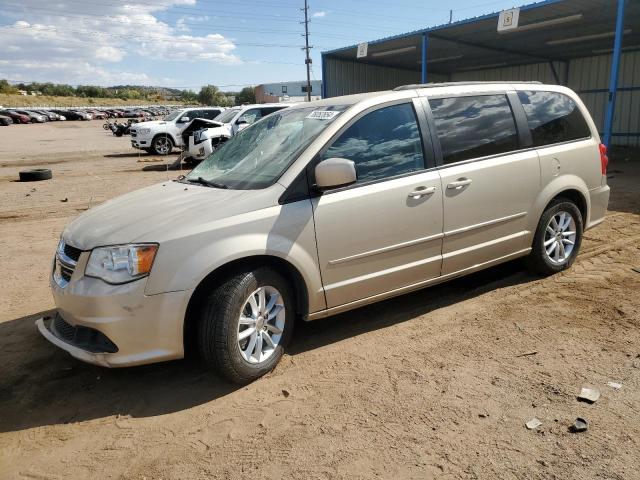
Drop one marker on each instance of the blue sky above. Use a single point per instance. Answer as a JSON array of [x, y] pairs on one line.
[[190, 43]]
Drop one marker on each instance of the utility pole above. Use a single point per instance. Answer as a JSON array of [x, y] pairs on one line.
[[306, 48]]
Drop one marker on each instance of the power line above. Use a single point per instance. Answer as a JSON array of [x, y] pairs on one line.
[[156, 38], [192, 26], [234, 15]]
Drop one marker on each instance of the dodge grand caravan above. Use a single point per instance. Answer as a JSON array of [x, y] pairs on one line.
[[324, 207]]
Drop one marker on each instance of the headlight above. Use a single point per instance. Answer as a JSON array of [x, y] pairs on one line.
[[121, 263], [144, 131]]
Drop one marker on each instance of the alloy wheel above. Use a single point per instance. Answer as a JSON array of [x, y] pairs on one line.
[[261, 324], [163, 145], [560, 237]]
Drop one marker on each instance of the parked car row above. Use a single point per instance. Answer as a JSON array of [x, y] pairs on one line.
[[10, 116]]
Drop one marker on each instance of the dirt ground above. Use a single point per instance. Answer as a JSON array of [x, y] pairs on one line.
[[438, 383]]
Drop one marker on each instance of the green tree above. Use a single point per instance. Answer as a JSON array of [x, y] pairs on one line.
[[246, 95], [211, 95], [188, 96], [5, 87]]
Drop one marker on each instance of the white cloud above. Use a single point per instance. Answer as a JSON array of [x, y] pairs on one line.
[[319, 14], [182, 26], [73, 73], [83, 43]]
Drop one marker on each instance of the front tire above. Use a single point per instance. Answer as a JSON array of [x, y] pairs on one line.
[[245, 324], [557, 239], [162, 145]]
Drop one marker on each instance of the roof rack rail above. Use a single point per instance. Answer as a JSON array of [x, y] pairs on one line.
[[453, 84]]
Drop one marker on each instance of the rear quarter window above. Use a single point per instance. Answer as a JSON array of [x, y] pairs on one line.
[[553, 117]]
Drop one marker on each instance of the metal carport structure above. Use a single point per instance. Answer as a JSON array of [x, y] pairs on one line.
[[592, 46]]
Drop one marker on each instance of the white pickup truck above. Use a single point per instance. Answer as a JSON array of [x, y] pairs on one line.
[[203, 137], [160, 136]]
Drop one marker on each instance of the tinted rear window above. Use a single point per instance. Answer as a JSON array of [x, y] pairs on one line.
[[474, 126], [553, 117]]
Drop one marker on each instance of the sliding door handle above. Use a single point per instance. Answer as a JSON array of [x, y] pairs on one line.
[[458, 184]]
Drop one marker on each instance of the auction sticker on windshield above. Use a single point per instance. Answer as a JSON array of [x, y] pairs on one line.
[[323, 114]]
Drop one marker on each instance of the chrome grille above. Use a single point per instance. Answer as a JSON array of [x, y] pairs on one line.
[[72, 252], [65, 263], [66, 272]]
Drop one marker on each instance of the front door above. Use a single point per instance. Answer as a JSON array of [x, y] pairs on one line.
[[489, 181], [384, 232]]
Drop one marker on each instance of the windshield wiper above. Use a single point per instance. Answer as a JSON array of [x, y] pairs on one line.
[[207, 183]]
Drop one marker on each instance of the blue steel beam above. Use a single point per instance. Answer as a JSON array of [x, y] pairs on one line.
[[425, 45], [554, 72], [323, 90], [613, 81]]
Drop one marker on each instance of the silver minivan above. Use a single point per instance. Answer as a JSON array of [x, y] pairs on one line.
[[324, 207]]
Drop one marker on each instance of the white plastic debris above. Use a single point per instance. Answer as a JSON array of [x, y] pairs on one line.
[[590, 395], [533, 424], [615, 385]]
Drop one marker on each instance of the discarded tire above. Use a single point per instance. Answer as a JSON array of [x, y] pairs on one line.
[[35, 175]]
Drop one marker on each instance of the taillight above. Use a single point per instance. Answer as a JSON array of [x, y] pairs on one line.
[[604, 158]]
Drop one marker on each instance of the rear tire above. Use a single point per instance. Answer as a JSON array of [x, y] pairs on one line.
[[230, 321], [557, 239]]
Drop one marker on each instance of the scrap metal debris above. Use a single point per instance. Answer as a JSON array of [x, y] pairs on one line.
[[527, 354], [589, 395], [533, 424], [580, 425]]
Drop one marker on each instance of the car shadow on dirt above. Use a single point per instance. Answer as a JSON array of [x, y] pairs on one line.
[[42, 385], [311, 335]]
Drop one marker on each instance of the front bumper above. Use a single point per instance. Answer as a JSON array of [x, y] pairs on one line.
[[140, 142], [142, 328], [599, 199], [200, 150]]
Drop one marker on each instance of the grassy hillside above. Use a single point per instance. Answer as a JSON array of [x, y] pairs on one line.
[[48, 101]]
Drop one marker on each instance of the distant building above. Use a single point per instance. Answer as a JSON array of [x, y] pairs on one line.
[[287, 91]]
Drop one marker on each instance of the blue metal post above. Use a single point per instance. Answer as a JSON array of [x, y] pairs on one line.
[[324, 78], [425, 44], [613, 80]]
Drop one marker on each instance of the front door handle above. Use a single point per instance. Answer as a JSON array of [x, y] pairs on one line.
[[422, 192], [458, 184]]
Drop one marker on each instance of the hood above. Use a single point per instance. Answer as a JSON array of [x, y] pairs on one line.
[[151, 123], [224, 129], [159, 212]]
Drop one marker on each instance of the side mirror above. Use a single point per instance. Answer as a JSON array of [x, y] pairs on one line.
[[334, 173], [184, 119], [242, 121]]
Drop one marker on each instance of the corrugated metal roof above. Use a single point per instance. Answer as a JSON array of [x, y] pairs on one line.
[[584, 28]]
